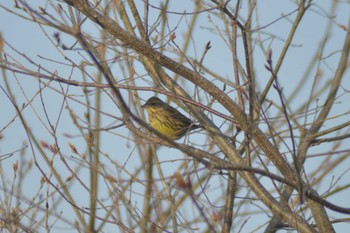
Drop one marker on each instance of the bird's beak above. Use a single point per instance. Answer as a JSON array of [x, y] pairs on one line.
[[143, 106]]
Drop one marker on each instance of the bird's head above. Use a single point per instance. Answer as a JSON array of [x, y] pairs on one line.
[[153, 103]]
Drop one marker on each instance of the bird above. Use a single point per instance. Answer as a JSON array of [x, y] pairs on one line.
[[167, 120]]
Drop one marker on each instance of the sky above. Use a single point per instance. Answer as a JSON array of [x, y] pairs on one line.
[[49, 108]]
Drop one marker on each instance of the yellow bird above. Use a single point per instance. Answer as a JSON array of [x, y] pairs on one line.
[[167, 120]]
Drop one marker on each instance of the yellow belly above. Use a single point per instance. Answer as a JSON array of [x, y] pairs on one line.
[[167, 131]]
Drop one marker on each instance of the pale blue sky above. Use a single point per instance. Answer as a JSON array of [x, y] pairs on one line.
[[29, 39]]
